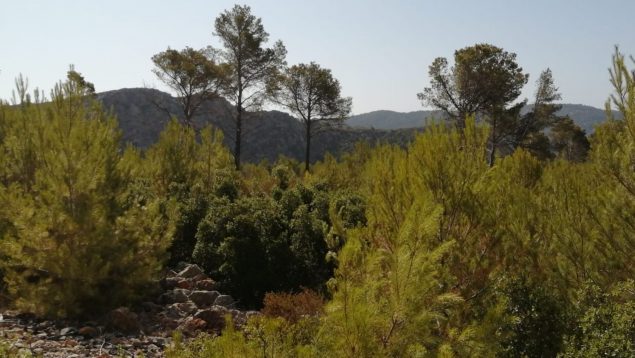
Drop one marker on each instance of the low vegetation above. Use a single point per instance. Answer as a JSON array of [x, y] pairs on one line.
[[473, 240]]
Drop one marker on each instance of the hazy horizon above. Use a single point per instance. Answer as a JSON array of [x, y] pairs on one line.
[[379, 51]]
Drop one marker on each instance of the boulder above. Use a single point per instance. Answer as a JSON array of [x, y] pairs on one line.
[[177, 295], [174, 312], [206, 285], [192, 326], [204, 299], [200, 277], [224, 301], [124, 321], [172, 282], [186, 307], [185, 284], [213, 317], [190, 271]]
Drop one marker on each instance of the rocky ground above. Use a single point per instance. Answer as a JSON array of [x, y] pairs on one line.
[[189, 304]]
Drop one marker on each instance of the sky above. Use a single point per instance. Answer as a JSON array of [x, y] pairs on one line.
[[378, 50]]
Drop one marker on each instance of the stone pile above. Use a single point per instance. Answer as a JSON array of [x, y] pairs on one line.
[[189, 303]]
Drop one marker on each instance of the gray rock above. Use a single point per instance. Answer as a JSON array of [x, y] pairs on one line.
[[68, 331], [214, 317], [172, 282], [190, 271], [204, 299], [206, 285], [186, 307], [224, 301], [174, 312], [178, 295]]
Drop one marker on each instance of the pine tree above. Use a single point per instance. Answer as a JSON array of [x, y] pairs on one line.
[[77, 245]]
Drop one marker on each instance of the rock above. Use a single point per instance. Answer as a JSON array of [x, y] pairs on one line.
[[206, 285], [172, 282], [239, 318], [153, 348], [174, 312], [38, 344], [192, 326], [200, 277], [177, 295], [88, 332], [68, 331], [204, 299], [224, 301], [124, 321], [215, 318], [190, 271], [186, 307], [186, 284]]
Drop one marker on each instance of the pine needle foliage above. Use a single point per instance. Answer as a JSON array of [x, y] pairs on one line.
[[76, 244]]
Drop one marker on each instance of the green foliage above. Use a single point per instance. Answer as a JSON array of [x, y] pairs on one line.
[[539, 320], [569, 141], [439, 253], [76, 242], [484, 79], [185, 169], [606, 323], [249, 65], [253, 245], [193, 75], [312, 94], [262, 337]]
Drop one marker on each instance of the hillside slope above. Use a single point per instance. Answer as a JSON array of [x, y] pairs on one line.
[[585, 116], [143, 113]]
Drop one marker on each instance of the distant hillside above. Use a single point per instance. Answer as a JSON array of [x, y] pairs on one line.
[[143, 113], [585, 116], [392, 119]]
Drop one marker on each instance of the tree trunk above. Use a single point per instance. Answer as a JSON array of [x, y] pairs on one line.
[[239, 130], [492, 154], [308, 145]]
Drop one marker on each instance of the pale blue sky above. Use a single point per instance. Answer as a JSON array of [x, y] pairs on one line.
[[379, 50]]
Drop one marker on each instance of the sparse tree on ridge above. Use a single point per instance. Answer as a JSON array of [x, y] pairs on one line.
[[250, 64], [193, 75], [312, 94], [484, 81]]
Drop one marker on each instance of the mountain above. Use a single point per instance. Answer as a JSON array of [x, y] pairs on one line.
[[142, 114], [585, 116], [392, 119]]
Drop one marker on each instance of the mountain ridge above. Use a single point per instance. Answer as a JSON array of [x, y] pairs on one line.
[[584, 115], [143, 113]]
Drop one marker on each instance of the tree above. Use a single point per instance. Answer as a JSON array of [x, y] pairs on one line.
[[250, 65], [529, 130], [313, 95], [78, 241], [192, 74], [484, 80], [569, 141]]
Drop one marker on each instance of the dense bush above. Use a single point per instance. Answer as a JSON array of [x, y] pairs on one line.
[[253, 245]]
